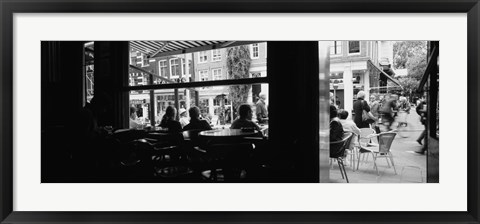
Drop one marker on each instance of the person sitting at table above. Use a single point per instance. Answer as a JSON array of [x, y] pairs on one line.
[[134, 124], [195, 122], [169, 122], [245, 119], [336, 128], [349, 125]]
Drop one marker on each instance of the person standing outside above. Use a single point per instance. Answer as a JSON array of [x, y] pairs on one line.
[[422, 111], [261, 109], [375, 110], [358, 107], [388, 110], [134, 124]]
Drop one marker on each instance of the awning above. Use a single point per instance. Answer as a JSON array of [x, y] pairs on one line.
[[385, 74], [164, 48]]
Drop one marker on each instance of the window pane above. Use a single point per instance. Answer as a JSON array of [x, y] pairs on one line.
[[196, 66], [353, 47], [140, 104], [218, 104]]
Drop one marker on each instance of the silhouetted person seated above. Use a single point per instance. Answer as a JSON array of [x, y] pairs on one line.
[[336, 128], [195, 122], [89, 116], [169, 122], [92, 143], [245, 119]]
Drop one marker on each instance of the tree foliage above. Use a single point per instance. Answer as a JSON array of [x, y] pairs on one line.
[[238, 66], [410, 55]]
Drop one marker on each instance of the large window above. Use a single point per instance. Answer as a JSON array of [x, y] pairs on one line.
[[217, 86], [353, 47]]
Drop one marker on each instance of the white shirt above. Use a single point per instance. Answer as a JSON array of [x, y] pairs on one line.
[[349, 125]]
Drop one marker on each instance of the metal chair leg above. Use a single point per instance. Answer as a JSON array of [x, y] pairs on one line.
[[358, 162], [375, 164], [393, 164], [340, 168]]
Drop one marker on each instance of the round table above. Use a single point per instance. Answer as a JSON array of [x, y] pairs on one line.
[[228, 133]]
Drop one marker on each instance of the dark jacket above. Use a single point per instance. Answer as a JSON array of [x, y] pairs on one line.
[[336, 130], [172, 125], [421, 112], [196, 124], [358, 108]]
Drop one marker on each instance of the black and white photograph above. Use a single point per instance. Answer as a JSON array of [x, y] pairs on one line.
[[197, 111], [239, 112]]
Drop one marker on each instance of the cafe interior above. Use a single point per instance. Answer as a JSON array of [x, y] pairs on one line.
[[292, 146], [287, 154]]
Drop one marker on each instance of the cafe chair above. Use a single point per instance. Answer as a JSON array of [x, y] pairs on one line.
[[231, 160], [366, 136], [385, 140], [337, 151], [135, 159], [128, 135]]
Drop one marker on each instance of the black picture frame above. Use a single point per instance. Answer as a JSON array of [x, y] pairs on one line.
[[9, 7]]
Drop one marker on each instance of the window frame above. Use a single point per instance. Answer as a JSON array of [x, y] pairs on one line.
[[170, 67], [200, 75], [335, 47], [257, 46], [219, 73], [359, 48], [216, 59], [200, 55], [160, 68]]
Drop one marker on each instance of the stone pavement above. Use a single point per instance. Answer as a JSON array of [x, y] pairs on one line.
[[410, 166]]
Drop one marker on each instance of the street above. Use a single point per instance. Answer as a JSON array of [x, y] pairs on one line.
[[410, 166]]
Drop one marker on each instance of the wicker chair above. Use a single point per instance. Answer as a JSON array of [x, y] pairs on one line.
[[337, 151]]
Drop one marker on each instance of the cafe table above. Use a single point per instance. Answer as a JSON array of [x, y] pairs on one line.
[[228, 133]]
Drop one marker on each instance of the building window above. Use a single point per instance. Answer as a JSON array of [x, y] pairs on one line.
[[145, 62], [184, 67], [217, 74], [163, 68], [202, 57], [174, 67], [203, 75], [353, 47], [216, 55], [254, 51], [336, 48]]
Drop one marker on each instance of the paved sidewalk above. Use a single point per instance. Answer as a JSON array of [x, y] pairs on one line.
[[410, 166]]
